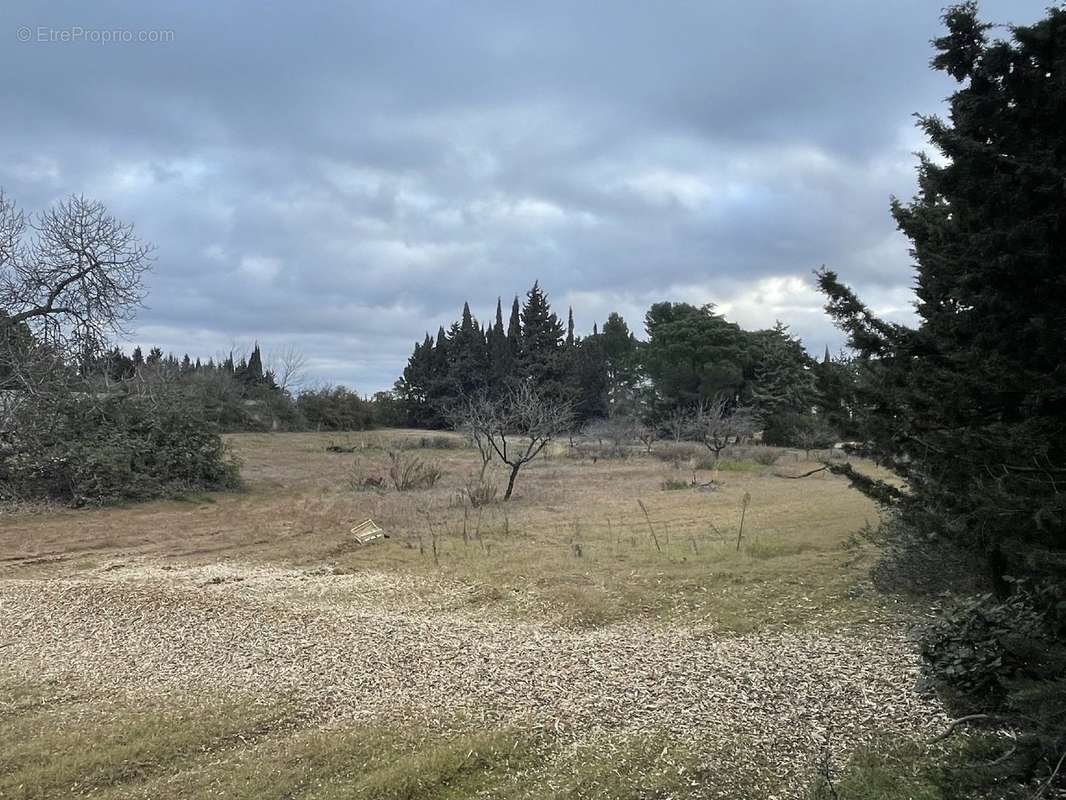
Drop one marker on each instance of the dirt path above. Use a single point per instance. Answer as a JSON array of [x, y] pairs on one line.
[[352, 647]]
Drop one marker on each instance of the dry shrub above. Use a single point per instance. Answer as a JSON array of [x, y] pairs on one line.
[[360, 480], [479, 494], [760, 454], [672, 452], [427, 443], [409, 472], [404, 473], [673, 484]]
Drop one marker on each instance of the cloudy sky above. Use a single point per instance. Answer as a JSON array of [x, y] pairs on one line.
[[342, 176]]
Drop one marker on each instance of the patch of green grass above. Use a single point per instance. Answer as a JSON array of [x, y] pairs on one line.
[[894, 769], [51, 748], [734, 465]]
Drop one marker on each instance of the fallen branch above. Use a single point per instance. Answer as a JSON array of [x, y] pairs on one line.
[[822, 468], [961, 721]]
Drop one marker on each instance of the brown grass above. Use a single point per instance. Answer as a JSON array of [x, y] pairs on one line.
[[573, 548], [573, 544]]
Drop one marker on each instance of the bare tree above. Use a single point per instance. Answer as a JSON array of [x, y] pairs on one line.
[[619, 430], [678, 422], [718, 425], [519, 426], [290, 368], [76, 279], [69, 277], [473, 418], [648, 436]]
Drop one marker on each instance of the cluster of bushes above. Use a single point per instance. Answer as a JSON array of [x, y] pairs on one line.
[[87, 450]]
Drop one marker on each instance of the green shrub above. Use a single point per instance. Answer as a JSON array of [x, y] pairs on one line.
[[96, 451]]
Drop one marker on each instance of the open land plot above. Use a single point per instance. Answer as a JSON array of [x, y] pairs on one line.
[[564, 644]]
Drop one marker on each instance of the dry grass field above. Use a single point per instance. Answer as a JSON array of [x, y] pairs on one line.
[[565, 644]]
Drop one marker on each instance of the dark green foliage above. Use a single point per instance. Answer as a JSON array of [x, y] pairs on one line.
[[782, 379], [795, 429], [970, 407], [542, 339], [835, 381], [692, 355], [122, 447], [591, 379], [980, 645], [335, 409], [621, 364]]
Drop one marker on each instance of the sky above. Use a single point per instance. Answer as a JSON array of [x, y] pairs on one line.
[[339, 178]]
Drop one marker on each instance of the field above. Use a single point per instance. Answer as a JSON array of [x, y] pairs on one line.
[[608, 633]]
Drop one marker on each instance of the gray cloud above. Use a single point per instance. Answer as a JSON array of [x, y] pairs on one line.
[[343, 176]]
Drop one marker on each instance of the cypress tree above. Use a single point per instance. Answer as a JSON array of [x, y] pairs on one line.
[[514, 332], [969, 408], [501, 363]]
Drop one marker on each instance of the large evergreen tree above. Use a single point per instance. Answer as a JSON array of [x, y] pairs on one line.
[[468, 359], [970, 406], [542, 338], [619, 348], [692, 355]]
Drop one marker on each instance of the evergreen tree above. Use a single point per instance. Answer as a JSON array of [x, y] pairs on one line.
[[542, 337], [514, 333], [468, 359], [620, 362], [783, 380], [253, 373], [501, 363], [969, 408], [412, 388], [692, 356], [590, 392]]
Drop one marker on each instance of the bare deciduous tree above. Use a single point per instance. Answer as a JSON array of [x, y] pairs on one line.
[[619, 430], [76, 279], [473, 418], [678, 423], [290, 368], [518, 426], [718, 425]]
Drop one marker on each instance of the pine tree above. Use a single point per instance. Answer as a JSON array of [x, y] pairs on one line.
[[620, 362], [468, 359], [783, 380], [542, 337], [969, 408]]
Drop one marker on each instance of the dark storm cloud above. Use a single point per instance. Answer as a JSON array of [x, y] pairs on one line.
[[341, 177]]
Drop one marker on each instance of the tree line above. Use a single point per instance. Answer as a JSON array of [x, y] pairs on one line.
[[243, 393], [692, 357]]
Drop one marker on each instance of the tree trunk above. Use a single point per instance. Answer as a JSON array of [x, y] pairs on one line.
[[511, 480]]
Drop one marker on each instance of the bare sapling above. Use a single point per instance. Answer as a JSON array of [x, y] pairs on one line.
[[517, 426], [718, 425]]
